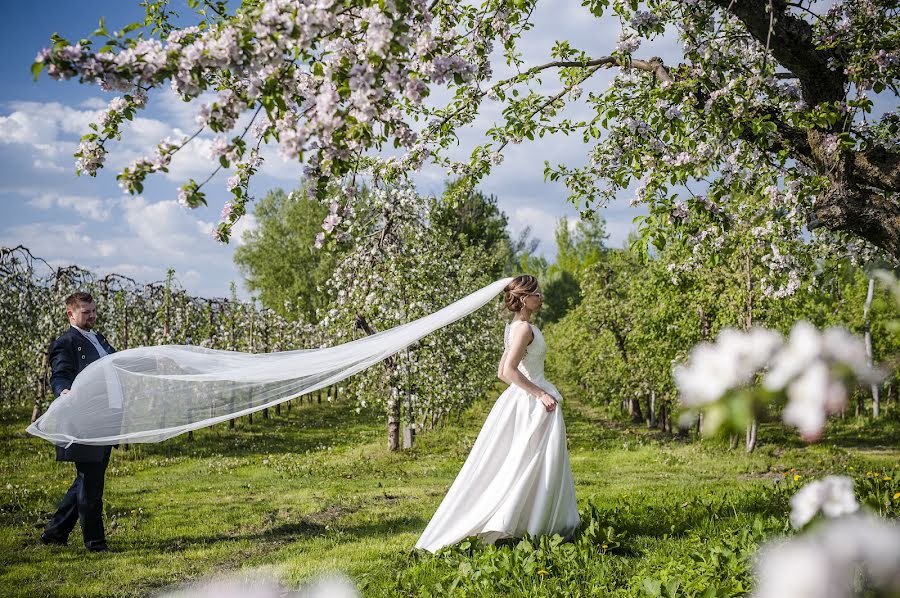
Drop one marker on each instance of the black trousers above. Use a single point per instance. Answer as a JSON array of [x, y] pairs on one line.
[[84, 502]]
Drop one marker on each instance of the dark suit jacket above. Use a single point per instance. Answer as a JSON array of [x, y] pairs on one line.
[[69, 354]]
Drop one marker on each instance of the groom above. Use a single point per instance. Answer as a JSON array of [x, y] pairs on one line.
[[78, 347]]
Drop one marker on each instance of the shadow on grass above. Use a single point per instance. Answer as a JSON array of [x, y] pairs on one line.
[[306, 427], [674, 520], [305, 528]]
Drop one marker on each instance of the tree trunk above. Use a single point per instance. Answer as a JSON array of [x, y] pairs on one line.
[[409, 429], [876, 399], [125, 317], [733, 442], [393, 405], [42, 386], [393, 423], [651, 422], [634, 409], [749, 321], [751, 436]]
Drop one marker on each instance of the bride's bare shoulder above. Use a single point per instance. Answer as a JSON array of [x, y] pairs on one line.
[[515, 330]]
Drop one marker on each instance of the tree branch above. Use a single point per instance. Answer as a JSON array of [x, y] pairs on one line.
[[654, 65], [878, 167], [793, 47], [871, 216]]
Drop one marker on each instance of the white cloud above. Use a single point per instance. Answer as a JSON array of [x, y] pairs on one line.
[[165, 227], [49, 130], [38, 115], [178, 112], [542, 223], [22, 127], [52, 241], [93, 208], [144, 133], [94, 104], [139, 272], [243, 226], [47, 165]]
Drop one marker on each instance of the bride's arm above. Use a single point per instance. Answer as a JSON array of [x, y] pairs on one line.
[[519, 338], [500, 368]]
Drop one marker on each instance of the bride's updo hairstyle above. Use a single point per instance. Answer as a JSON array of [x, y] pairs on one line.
[[515, 292]]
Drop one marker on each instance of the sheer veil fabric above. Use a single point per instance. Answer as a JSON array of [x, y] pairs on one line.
[[150, 394]]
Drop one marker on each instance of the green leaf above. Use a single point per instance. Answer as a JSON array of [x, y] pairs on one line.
[[130, 27], [651, 586], [36, 68]]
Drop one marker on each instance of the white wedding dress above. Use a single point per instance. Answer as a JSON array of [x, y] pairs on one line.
[[517, 478]]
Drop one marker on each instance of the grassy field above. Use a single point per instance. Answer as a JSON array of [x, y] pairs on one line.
[[315, 490]]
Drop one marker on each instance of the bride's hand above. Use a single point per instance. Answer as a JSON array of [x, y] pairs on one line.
[[548, 401]]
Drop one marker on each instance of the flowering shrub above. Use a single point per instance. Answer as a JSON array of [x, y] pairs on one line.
[[129, 314]]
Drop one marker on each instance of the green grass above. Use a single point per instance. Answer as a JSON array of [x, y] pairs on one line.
[[315, 490]]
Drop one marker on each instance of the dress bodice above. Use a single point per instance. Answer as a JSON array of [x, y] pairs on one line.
[[532, 364]]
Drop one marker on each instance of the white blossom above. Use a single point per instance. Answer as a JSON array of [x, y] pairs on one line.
[[833, 496], [832, 560]]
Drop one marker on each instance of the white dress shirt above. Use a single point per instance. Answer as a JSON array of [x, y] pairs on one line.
[[92, 336]]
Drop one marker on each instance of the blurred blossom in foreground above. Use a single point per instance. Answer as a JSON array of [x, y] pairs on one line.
[[335, 586], [845, 557], [813, 369], [732, 361], [833, 496]]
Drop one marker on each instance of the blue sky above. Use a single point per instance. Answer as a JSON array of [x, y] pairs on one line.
[[67, 219]]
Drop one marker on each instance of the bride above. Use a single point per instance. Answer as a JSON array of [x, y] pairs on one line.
[[517, 479]]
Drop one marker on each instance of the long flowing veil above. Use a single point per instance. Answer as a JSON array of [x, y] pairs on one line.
[[149, 394]]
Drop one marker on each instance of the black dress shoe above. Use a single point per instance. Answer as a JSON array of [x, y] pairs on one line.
[[101, 548], [48, 540]]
